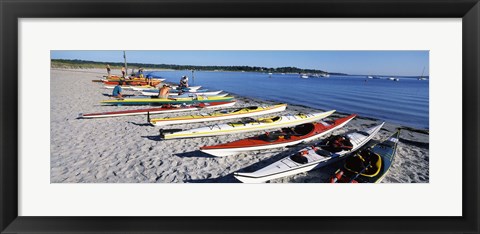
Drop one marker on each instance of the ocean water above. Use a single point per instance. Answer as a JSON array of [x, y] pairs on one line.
[[404, 102]]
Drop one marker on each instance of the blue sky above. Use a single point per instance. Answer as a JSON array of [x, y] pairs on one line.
[[401, 63]]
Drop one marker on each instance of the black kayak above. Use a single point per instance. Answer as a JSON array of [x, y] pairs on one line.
[[369, 165]]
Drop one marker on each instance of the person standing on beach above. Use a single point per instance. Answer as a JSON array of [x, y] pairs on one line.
[[124, 71], [108, 71], [164, 91], [117, 91]]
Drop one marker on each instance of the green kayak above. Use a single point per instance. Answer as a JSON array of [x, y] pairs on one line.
[[369, 165]]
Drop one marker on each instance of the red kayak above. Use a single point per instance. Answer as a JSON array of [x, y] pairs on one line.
[[132, 83], [159, 110], [285, 137]]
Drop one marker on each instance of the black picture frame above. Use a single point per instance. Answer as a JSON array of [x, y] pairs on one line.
[[11, 11]]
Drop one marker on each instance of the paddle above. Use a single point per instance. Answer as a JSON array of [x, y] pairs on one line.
[[362, 171]]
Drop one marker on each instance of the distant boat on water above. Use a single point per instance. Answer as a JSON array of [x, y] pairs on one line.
[[320, 75], [370, 77], [325, 75], [304, 76], [421, 77], [394, 79]]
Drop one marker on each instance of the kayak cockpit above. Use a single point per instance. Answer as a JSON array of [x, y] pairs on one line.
[[243, 122], [271, 120], [303, 129], [287, 133], [299, 158], [239, 110], [337, 143], [365, 163]]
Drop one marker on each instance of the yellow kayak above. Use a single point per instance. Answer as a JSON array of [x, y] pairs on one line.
[[220, 115]]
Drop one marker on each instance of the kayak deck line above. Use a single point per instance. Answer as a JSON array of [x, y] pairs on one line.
[[231, 130]]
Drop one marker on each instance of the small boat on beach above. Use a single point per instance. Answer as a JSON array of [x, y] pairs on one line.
[[211, 93], [190, 88], [132, 83], [148, 88], [162, 101], [321, 154], [285, 137], [370, 165], [132, 87], [159, 110], [219, 115], [156, 90], [245, 125], [140, 79]]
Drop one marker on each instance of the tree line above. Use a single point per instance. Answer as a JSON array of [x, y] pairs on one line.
[[94, 64]]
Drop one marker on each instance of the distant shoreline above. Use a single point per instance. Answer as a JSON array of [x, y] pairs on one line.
[[84, 64]]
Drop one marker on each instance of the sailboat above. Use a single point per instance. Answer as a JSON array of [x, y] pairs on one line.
[[421, 77]]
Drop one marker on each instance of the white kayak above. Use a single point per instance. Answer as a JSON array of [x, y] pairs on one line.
[[125, 87], [213, 93], [235, 113], [246, 125], [312, 157], [142, 88], [158, 110], [190, 88], [155, 90]]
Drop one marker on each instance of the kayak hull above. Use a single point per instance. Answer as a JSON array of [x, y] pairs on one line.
[[213, 93], [208, 117], [132, 83], [151, 111], [155, 90], [162, 101], [256, 125], [255, 143]]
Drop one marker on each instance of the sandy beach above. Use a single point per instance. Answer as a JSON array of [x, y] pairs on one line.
[[129, 150]]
